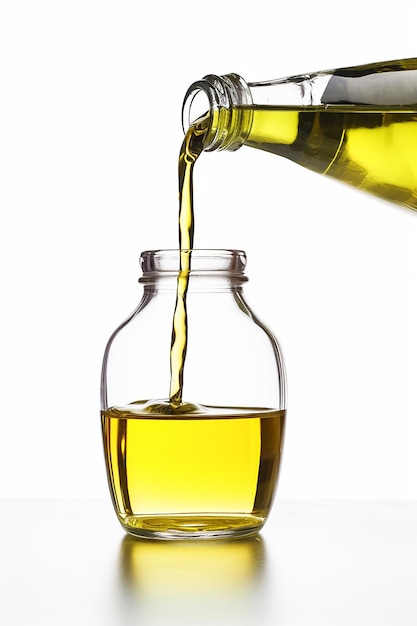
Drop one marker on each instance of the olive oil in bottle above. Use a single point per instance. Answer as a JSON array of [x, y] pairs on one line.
[[374, 150]]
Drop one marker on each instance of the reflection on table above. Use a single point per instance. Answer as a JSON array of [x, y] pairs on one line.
[[210, 582]]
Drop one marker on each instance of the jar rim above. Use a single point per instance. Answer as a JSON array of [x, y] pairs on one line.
[[165, 262]]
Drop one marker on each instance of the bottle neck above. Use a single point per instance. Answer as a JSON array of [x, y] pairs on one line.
[[228, 114], [229, 103]]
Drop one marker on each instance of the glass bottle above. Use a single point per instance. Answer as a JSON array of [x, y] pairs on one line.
[[204, 465], [356, 124]]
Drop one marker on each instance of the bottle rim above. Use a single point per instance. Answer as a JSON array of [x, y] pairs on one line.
[[202, 261], [225, 97]]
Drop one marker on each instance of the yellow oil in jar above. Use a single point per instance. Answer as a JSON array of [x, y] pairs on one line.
[[206, 471]]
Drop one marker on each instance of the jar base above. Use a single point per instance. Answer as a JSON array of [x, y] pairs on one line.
[[188, 526]]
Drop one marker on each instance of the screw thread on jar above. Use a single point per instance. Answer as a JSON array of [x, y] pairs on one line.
[[230, 116], [224, 265]]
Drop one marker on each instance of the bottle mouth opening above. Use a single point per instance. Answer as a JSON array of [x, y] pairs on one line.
[[159, 263], [197, 103], [224, 101]]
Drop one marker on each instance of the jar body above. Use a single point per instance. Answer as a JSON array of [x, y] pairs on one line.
[[208, 465]]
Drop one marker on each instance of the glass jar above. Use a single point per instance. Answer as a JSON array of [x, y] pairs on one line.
[[204, 465]]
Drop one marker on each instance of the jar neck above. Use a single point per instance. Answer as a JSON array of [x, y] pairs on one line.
[[220, 267], [229, 114]]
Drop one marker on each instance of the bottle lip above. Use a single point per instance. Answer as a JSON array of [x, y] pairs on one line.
[[225, 96], [219, 262]]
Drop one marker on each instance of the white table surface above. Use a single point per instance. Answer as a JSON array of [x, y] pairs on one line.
[[334, 563]]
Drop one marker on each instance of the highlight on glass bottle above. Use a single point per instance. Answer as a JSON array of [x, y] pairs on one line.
[[193, 435], [356, 124]]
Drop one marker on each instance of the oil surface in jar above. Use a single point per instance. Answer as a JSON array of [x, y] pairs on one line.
[[208, 469]]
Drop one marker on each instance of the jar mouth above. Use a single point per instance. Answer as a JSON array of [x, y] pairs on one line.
[[161, 263]]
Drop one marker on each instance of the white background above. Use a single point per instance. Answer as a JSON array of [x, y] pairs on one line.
[[90, 100]]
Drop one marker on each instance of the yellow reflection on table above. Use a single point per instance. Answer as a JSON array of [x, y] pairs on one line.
[[184, 581]]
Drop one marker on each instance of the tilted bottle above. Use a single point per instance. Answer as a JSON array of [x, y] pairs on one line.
[[356, 124]]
